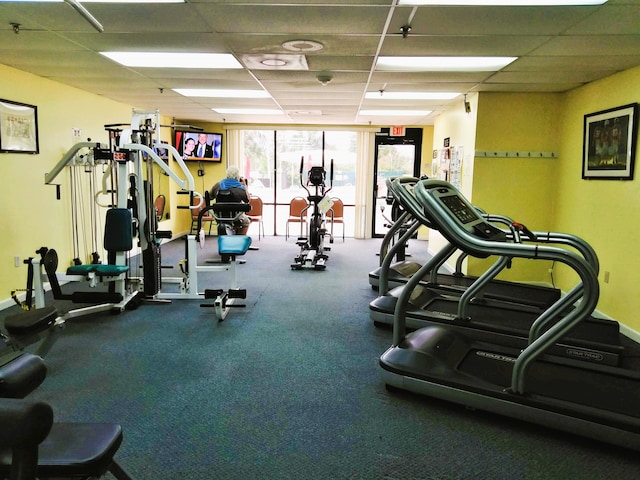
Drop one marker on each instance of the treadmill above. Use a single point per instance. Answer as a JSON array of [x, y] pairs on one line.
[[395, 241], [395, 274], [595, 340], [484, 370]]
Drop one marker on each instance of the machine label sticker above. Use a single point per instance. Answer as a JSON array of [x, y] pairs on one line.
[[585, 354], [496, 356]]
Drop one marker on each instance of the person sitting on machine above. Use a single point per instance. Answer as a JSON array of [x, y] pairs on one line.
[[233, 189]]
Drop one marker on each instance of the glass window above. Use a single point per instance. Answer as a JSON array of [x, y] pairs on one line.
[[272, 161]]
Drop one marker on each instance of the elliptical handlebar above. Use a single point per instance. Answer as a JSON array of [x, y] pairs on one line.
[[316, 177]]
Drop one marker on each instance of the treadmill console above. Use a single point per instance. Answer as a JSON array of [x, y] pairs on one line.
[[467, 216]]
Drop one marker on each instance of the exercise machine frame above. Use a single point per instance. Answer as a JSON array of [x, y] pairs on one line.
[[312, 248], [482, 370]]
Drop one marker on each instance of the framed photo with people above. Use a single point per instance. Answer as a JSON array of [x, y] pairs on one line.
[[199, 146], [609, 143]]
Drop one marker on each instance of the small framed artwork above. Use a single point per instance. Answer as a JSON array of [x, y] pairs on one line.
[[18, 127], [609, 143]]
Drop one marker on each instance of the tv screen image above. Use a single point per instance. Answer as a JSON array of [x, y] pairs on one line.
[[199, 146]]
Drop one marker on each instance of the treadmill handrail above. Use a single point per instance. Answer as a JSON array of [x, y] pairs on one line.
[[414, 206], [458, 236], [383, 282], [395, 225], [574, 241]]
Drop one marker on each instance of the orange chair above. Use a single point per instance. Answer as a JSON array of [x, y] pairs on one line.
[[297, 213], [255, 214], [159, 205], [336, 215], [207, 217]]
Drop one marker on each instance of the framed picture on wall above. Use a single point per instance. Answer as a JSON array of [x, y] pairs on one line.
[[609, 143], [18, 127]]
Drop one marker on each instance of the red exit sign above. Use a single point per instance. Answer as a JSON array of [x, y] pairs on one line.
[[397, 131]]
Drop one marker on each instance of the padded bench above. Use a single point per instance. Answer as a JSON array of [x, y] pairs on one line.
[[100, 269], [233, 244]]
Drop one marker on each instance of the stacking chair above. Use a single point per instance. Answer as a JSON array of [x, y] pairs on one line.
[[336, 215], [255, 214], [208, 217], [298, 208], [159, 205]]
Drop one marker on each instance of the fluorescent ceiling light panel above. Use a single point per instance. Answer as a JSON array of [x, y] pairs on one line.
[[394, 113], [442, 64], [173, 60], [411, 95], [96, 1], [221, 93], [249, 111], [503, 3], [132, 1]]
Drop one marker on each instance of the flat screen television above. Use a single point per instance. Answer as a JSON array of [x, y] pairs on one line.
[[199, 146]]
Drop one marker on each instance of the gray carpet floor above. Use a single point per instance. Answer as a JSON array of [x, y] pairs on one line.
[[288, 387]]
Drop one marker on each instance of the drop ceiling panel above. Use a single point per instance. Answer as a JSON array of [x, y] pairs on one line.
[[44, 16], [132, 17], [294, 19], [526, 87], [157, 41], [547, 77], [427, 78], [482, 45], [558, 49], [319, 96], [587, 45], [572, 63], [31, 41], [497, 21], [340, 64], [307, 78], [624, 17], [334, 45], [66, 63], [214, 75]]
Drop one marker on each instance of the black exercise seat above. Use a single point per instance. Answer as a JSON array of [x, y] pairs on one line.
[[41, 325], [69, 450], [81, 450], [23, 425], [30, 322], [21, 375]]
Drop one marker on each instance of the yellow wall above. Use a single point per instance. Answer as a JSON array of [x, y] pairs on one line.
[[603, 212], [520, 188], [427, 149], [31, 215], [460, 128]]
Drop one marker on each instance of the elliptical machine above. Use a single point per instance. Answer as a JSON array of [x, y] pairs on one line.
[[312, 249]]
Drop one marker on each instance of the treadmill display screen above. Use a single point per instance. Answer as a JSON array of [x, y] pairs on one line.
[[459, 208]]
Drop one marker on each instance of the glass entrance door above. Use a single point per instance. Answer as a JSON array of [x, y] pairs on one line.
[[394, 156]]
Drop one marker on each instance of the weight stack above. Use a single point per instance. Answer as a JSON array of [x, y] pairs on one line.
[[152, 272]]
